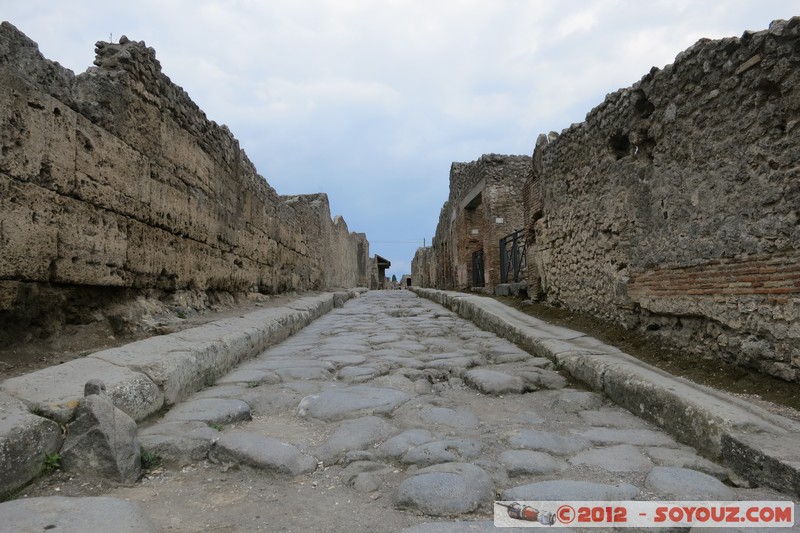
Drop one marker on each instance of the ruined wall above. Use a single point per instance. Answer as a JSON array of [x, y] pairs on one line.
[[115, 178], [484, 205], [674, 207]]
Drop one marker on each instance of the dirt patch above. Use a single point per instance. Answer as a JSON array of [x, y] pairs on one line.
[[776, 395]]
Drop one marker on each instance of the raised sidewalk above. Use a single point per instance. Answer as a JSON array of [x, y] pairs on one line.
[[142, 378], [757, 445]]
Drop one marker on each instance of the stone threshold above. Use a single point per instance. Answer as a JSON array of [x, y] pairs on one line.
[[760, 447]]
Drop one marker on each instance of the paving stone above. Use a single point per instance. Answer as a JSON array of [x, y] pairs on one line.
[[565, 489], [524, 462], [351, 402], [683, 458], [354, 434], [72, 515], [210, 411], [25, 441], [570, 400], [621, 458], [227, 391], [365, 476], [395, 381], [454, 363], [684, 484], [478, 526], [344, 360], [360, 373], [445, 490], [178, 443], [544, 379], [308, 372], [637, 437], [616, 418], [245, 375], [271, 401], [443, 451], [264, 453], [400, 444], [534, 439], [383, 338], [506, 354], [493, 382], [417, 413]]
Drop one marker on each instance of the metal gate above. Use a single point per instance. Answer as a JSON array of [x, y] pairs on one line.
[[512, 257], [477, 268]]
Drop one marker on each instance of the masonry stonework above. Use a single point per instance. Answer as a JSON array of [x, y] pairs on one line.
[[484, 205], [673, 208], [115, 179]]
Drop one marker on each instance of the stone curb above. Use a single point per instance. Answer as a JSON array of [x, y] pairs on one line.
[[755, 444], [142, 378]]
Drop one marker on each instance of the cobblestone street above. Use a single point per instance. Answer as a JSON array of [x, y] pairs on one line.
[[391, 411]]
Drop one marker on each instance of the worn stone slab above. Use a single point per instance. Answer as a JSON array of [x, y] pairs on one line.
[[612, 419], [73, 515], [249, 376], [571, 400], [364, 476], [178, 443], [685, 459], [102, 442], [621, 458], [638, 437], [445, 490], [534, 439], [443, 451], [354, 434], [494, 382], [524, 462], [211, 411], [344, 360], [166, 360], [360, 373], [684, 484], [565, 489], [56, 391], [351, 402], [544, 379], [25, 442], [398, 445], [263, 453]]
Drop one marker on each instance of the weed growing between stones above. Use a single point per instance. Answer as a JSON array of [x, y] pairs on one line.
[[52, 462], [150, 460]]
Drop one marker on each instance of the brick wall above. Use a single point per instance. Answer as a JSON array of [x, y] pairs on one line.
[[484, 205]]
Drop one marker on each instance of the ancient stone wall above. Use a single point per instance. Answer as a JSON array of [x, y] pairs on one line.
[[485, 204], [674, 207], [115, 178]]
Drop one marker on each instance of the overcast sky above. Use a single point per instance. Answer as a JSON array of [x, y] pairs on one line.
[[371, 100]]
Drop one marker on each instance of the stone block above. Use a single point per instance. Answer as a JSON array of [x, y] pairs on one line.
[[25, 442], [56, 391]]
